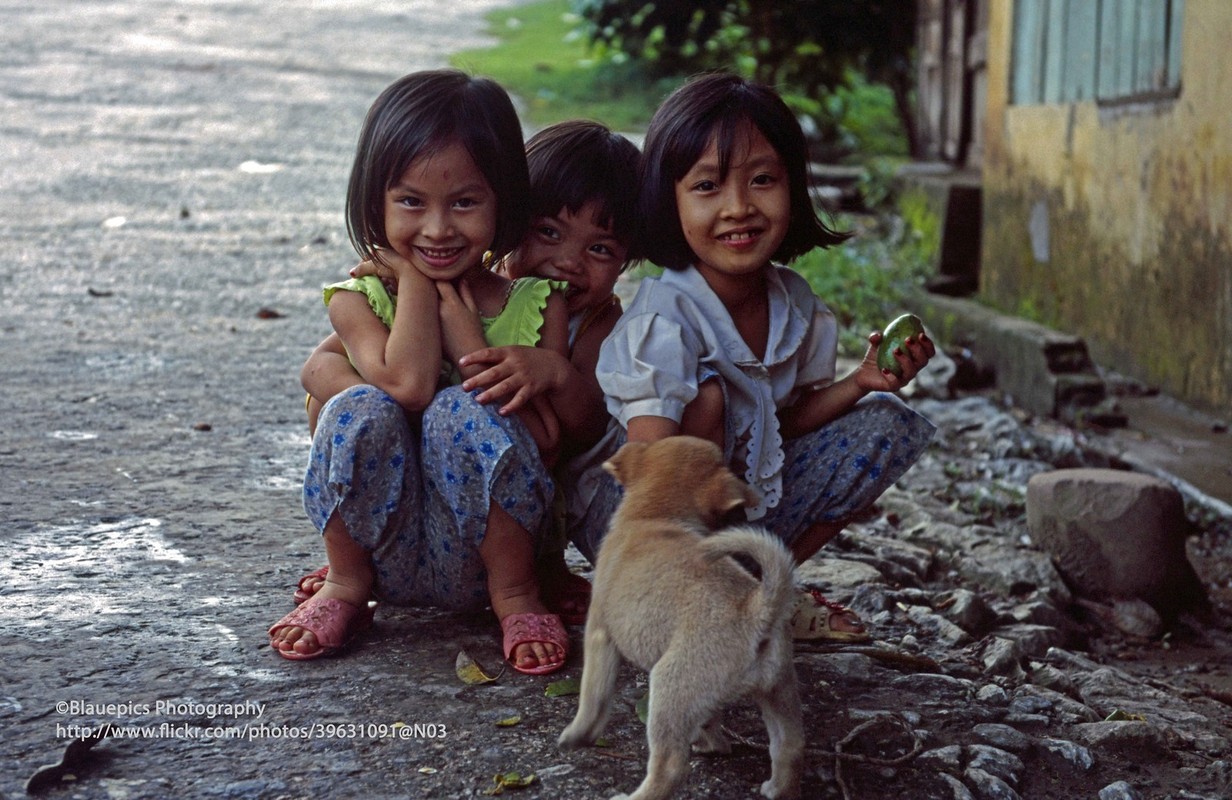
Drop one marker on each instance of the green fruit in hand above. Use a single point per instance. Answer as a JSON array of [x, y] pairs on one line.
[[895, 336]]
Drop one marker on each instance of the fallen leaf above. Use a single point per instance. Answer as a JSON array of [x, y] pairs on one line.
[[510, 780], [508, 722], [469, 671], [642, 707], [269, 313], [427, 770], [564, 688], [1124, 716]]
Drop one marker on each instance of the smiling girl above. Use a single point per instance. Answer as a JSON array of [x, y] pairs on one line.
[[734, 347], [417, 507]]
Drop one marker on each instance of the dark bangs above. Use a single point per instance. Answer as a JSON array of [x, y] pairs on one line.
[[577, 162]]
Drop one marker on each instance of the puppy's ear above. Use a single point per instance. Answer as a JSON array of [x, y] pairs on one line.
[[722, 495], [626, 464]]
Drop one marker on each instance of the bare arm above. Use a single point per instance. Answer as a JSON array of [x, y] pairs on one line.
[[651, 429], [821, 406], [405, 360], [328, 371]]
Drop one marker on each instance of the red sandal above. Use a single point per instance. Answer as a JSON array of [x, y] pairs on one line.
[[301, 593], [333, 622], [523, 628], [813, 616]]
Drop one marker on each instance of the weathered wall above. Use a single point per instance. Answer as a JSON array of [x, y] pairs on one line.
[[1116, 224]]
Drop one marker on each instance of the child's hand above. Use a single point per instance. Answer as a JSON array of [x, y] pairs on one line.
[[386, 273], [518, 370], [461, 328], [913, 357], [544, 427]]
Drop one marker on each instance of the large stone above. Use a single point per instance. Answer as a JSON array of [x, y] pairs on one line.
[[1114, 534]]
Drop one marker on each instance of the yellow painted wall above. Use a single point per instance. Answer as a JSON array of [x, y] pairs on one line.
[[1136, 203]]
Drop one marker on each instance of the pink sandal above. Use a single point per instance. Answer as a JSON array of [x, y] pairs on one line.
[[302, 594], [523, 628], [333, 622]]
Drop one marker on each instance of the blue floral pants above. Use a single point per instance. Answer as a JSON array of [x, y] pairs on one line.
[[828, 475], [416, 492]]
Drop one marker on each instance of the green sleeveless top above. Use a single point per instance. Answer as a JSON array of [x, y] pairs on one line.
[[517, 323]]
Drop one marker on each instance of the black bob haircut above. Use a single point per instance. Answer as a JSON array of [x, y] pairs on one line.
[[579, 161], [421, 114], [719, 106]]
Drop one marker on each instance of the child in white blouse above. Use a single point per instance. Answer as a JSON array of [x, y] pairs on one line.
[[730, 346]]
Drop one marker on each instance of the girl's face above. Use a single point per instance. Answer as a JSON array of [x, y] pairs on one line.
[[574, 248], [441, 214], [735, 225]]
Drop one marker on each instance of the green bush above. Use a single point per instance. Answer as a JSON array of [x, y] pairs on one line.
[[864, 280], [544, 59]]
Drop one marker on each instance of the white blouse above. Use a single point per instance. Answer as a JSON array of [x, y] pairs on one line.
[[676, 326]]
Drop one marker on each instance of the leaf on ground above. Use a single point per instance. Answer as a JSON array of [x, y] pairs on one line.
[[564, 688], [508, 722], [469, 671], [510, 780], [642, 707], [1124, 716]]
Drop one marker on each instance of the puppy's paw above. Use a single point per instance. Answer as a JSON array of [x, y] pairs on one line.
[[775, 792], [571, 739]]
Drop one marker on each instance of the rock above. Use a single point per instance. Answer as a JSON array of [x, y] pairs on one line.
[[913, 557], [988, 786], [838, 578], [995, 761], [946, 632], [958, 790], [1011, 570], [967, 610], [1140, 740], [1119, 791], [1075, 754], [850, 666], [1050, 677], [1033, 640], [1115, 534], [948, 758], [1005, 737], [1064, 708], [1041, 612], [992, 694], [1003, 657]]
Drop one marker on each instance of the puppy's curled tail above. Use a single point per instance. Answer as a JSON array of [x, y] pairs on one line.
[[778, 590]]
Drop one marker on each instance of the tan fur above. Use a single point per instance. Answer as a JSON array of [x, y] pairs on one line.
[[668, 597]]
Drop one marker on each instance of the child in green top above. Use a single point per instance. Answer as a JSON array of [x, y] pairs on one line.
[[583, 188]]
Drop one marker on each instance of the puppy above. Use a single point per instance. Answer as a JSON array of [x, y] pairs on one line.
[[674, 600]]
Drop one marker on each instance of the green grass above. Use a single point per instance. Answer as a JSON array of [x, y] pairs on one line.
[[544, 59], [865, 279]]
